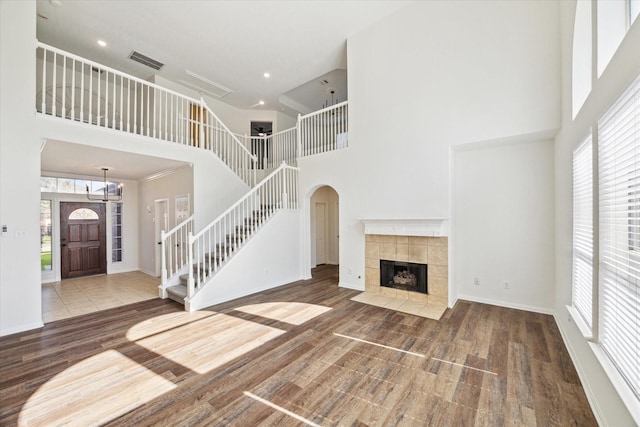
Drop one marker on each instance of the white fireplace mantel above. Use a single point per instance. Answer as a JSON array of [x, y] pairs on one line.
[[437, 227]]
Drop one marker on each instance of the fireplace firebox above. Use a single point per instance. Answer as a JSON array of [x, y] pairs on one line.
[[407, 276]]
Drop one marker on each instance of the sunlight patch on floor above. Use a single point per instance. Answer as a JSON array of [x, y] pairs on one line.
[[164, 323], [209, 342], [295, 313], [281, 409], [94, 391], [379, 345]]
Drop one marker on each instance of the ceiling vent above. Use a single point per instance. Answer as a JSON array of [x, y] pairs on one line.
[[145, 60]]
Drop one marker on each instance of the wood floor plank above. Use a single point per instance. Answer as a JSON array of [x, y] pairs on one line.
[[298, 354]]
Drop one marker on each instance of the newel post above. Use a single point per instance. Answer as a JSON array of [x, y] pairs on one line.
[[202, 123], [191, 280], [163, 257], [299, 136], [285, 196]]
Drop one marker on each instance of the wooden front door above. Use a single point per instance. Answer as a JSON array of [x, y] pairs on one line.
[[83, 249]]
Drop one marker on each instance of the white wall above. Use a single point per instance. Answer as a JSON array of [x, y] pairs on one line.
[[503, 218], [215, 188], [271, 258], [285, 122], [20, 295], [623, 67], [449, 76], [169, 186], [329, 197]]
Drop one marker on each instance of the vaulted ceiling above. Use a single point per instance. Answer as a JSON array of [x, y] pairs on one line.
[[224, 43]]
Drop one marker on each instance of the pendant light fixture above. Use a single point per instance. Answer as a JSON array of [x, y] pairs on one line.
[[106, 197]]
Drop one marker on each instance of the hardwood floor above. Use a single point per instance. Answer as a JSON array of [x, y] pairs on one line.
[[301, 354]]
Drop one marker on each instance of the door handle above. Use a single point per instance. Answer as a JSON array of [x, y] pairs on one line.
[[159, 243]]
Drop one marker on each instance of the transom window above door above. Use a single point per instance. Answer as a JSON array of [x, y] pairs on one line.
[[84, 214]]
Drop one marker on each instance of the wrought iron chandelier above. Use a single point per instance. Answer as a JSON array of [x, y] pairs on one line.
[[106, 197]]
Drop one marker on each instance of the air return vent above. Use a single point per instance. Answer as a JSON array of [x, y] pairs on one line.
[[145, 60]]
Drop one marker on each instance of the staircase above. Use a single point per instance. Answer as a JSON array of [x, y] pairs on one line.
[[215, 245], [84, 93], [213, 261]]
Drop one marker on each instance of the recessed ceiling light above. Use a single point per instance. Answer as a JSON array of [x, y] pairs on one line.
[[102, 43], [55, 3], [267, 75], [261, 102]]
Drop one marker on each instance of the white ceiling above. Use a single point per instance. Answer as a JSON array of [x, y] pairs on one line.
[[232, 43], [76, 159]]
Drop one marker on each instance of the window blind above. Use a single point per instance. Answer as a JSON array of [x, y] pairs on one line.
[[619, 186], [583, 231]]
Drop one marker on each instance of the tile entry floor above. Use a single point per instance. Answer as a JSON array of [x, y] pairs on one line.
[[417, 308], [83, 295]]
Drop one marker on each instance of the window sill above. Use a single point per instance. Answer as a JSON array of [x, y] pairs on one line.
[[627, 396], [624, 391], [585, 330]]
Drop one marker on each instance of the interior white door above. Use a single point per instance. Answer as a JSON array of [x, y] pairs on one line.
[[161, 220], [321, 233]]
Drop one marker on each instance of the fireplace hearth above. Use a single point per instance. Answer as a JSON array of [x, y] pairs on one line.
[[406, 276]]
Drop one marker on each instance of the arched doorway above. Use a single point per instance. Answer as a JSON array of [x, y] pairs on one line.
[[324, 227]]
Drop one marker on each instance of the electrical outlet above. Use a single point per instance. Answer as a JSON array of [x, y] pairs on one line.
[[476, 281], [506, 284]]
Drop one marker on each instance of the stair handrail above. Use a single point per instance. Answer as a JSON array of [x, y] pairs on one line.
[[252, 192], [237, 157], [282, 154], [216, 243], [171, 240]]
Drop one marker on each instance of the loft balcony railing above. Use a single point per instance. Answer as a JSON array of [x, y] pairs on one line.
[[76, 89], [318, 132], [80, 90], [323, 130]]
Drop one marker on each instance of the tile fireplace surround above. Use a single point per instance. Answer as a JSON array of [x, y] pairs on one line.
[[433, 251]]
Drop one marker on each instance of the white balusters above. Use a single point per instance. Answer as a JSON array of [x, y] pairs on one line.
[[323, 130], [109, 98], [221, 239], [174, 246]]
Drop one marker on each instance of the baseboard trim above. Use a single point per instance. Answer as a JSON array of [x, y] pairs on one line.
[[194, 304], [148, 273], [584, 378], [22, 328], [351, 286], [525, 307]]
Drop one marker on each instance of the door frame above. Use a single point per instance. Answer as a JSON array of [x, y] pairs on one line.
[[104, 249], [157, 228], [325, 228]]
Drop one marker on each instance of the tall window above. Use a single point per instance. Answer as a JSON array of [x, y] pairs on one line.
[[116, 232], [619, 206], [583, 231], [45, 235]]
